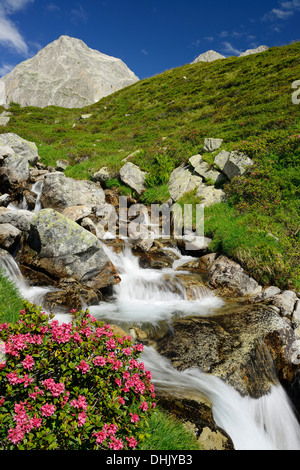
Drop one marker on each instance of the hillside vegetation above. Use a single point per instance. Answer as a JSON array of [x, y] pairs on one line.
[[245, 101]]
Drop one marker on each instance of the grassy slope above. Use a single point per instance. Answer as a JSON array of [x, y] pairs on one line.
[[246, 101]]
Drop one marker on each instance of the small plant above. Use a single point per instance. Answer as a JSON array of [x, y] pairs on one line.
[[71, 386]]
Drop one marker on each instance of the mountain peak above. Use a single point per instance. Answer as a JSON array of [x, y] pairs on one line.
[[208, 56], [66, 73]]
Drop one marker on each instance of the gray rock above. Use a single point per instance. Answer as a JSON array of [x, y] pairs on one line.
[[208, 56], [77, 213], [21, 147], [285, 302], [66, 73], [60, 192], [17, 168], [134, 177], [210, 145], [194, 245], [254, 51], [2, 94], [203, 169], [229, 277], [62, 165], [233, 164], [210, 195], [183, 181], [102, 175], [266, 294], [4, 120], [9, 236], [20, 219], [64, 250], [5, 200]]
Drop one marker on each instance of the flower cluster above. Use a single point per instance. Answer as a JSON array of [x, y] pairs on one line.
[[71, 386]]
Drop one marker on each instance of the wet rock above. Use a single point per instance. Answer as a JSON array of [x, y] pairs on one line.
[[64, 249], [9, 236], [64, 299], [5, 200], [285, 302], [200, 266], [198, 411], [266, 294], [250, 348], [194, 245], [30, 198], [154, 258], [60, 192], [230, 278]]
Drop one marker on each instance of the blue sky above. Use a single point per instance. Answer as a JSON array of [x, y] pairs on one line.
[[149, 36]]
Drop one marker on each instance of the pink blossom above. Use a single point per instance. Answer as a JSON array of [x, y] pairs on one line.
[[81, 418], [83, 366], [121, 401], [28, 362], [131, 442], [48, 410], [144, 406], [99, 361], [116, 444], [134, 418], [100, 436], [127, 351], [15, 435]]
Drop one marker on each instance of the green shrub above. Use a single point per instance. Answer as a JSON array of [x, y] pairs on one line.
[[71, 386]]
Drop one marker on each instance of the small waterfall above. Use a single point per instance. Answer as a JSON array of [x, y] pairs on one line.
[[33, 294], [267, 423], [37, 188], [149, 295]]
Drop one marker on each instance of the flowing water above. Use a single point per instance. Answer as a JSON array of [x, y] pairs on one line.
[[151, 299]]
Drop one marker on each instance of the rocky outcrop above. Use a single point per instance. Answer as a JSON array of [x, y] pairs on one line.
[[233, 163], [60, 192], [208, 56], [65, 73], [248, 347]]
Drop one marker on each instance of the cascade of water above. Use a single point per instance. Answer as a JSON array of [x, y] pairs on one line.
[[149, 295], [267, 423], [37, 188], [33, 294]]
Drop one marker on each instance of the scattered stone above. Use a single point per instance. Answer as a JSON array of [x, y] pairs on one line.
[[102, 175], [210, 145], [266, 294], [233, 163], [183, 181], [86, 116], [132, 176], [61, 165]]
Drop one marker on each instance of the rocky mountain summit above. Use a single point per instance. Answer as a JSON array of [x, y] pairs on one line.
[[65, 73], [210, 56]]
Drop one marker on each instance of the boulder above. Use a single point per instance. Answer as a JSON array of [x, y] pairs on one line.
[[250, 347], [62, 165], [5, 200], [266, 294], [62, 249], [230, 278], [194, 245], [233, 163], [9, 236], [77, 213], [60, 192], [210, 195], [205, 171], [183, 181], [134, 177], [20, 219], [17, 169], [210, 145], [21, 147], [285, 302], [102, 175]]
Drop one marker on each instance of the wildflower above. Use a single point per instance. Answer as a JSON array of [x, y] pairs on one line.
[[83, 366], [116, 444], [144, 406], [48, 410], [99, 361], [100, 436], [28, 362], [15, 435], [81, 418], [134, 418], [131, 442]]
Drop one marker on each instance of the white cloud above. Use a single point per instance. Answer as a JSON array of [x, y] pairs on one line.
[[143, 51], [9, 33], [79, 14], [284, 11], [229, 49]]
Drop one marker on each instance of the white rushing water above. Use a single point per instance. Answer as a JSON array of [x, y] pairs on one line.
[[151, 296]]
